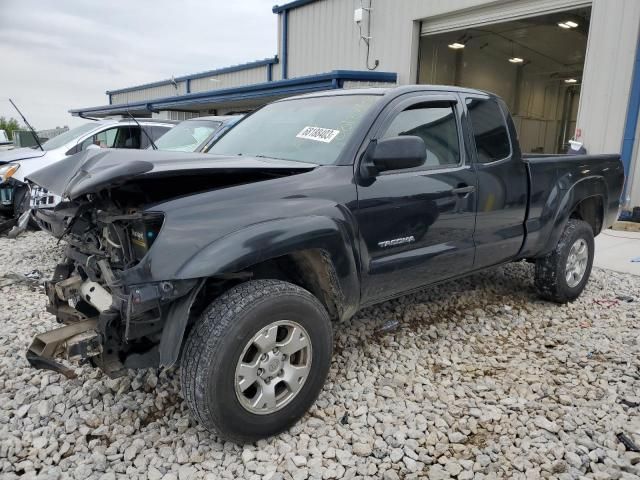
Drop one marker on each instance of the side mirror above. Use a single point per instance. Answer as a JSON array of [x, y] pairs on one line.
[[396, 153]]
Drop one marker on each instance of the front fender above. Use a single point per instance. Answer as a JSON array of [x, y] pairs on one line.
[[267, 240]]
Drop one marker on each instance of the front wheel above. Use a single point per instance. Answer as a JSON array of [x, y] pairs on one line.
[[562, 275], [257, 360]]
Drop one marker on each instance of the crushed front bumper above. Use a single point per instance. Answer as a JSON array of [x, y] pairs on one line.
[[78, 341]]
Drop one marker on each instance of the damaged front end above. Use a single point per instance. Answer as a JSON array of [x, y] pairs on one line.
[[109, 322], [124, 303]]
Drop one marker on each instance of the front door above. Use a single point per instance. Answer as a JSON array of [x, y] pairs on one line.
[[417, 225]]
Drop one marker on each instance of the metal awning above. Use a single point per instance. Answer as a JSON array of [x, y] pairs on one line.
[[243, 96]]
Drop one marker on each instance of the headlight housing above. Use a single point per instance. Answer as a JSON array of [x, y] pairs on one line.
[[144, 232], [8, 170]]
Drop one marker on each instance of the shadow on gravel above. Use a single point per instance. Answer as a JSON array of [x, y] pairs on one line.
[[508, 287]]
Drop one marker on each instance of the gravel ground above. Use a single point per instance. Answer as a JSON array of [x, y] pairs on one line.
[[479, 380]]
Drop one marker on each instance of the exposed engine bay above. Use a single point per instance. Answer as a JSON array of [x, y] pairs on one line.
[[89, 287], [117, 315]]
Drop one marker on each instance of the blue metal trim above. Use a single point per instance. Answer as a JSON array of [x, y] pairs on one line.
[[290, 5], [290, 86], [633, 112], [248, 96], [269, 72], [110, 100], [285, 42], [219, 71], [188, 86]]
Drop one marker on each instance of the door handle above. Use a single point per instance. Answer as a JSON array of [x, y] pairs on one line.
[[463, 190]]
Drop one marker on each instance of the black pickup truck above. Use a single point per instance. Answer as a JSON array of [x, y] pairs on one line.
[[310, 208]]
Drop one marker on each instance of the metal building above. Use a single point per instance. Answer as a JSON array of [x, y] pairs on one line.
[[566, 68]]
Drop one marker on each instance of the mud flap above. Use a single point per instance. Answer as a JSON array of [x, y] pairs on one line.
[[174, 328]]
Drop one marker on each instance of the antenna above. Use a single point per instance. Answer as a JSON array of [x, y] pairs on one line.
[[33, 132]]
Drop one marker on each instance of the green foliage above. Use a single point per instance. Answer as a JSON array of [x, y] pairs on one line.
[[9, 125]]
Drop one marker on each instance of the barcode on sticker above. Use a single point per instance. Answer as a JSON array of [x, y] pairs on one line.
[[318, 134]]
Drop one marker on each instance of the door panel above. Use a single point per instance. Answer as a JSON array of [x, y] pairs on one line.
[[502, 182], [433, 228], [417, 225]]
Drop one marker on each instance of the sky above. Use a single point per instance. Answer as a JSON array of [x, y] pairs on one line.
[[64, 54]]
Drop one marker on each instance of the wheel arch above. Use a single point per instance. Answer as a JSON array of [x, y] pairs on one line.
[[585, 200]]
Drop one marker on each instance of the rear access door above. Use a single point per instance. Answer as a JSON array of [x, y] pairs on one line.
[[502, 180], [417, 225]]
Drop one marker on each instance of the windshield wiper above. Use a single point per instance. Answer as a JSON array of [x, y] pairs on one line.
[[153, 145]]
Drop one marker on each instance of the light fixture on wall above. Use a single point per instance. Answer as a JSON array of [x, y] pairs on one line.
[[570, 80], [567, 24], [456, 45]]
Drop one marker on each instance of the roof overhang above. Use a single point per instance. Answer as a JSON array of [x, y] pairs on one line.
[[195, 76], [291, 5], [241, 96]]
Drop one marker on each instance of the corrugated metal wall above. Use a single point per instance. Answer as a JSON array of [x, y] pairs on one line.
[[324, 37], [149, 93], [212, 82], [232, 79], [613, 36]]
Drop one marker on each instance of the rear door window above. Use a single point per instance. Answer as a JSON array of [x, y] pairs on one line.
[[489, 130], [128, 137]]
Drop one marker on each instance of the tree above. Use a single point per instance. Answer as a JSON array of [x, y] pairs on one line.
[[9, 126]]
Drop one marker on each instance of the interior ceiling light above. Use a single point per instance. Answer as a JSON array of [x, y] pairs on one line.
[[570, 80], [456, 45], [516, 60], [568, 24]]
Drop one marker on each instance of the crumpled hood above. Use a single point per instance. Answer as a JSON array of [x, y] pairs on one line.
[[8, 156], [93, 170]]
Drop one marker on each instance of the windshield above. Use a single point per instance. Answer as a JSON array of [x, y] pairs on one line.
[[187, 136], [310, 130], [66, 137]]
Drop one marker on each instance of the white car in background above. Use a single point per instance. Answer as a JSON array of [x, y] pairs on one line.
[[18, 163]]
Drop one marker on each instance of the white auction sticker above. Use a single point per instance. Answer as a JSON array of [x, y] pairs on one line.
[[318, 134]]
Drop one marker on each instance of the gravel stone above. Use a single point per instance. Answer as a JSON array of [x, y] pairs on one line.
[[362, 449], [480, 379]]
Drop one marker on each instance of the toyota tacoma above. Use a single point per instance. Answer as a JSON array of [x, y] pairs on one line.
[[236, 264]]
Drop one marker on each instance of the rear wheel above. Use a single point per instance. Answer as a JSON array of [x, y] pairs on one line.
[[257, 360], [562, 275]]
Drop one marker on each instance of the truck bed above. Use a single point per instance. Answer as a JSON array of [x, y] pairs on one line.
[[557, 182]]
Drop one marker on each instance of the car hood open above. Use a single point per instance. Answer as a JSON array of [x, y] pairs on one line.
[[16, 154], [92, 171]]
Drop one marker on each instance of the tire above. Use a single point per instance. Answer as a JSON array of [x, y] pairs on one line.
[[552, 276], [225, 334]]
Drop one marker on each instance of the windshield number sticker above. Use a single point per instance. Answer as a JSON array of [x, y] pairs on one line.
[[319, 134]]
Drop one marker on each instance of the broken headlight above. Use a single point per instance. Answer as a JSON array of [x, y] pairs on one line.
[[7, 171], [144, 232]]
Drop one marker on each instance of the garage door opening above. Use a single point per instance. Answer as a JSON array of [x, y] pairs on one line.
[[535, 64]]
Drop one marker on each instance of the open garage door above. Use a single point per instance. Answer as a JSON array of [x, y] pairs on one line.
[[530, 53]]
